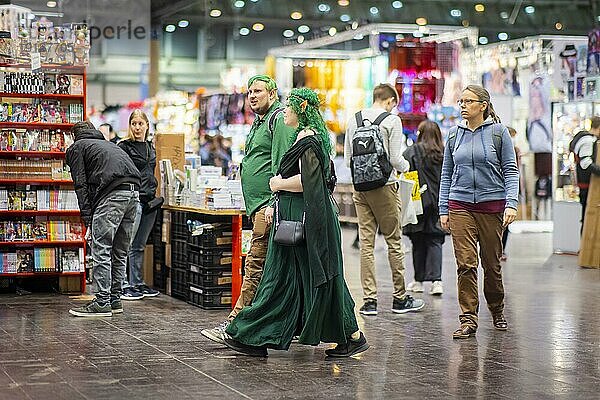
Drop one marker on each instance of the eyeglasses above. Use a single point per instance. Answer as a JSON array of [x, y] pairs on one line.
[[468, 102]]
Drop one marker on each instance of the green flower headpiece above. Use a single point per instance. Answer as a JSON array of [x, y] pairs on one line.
[[305, 103]]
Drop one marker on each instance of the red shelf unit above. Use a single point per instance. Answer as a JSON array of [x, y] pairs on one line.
[[73, 243], [43, 96], [36, 181], [9, 213], [30, 274], [47, 155], [25, 153], [34, 125]]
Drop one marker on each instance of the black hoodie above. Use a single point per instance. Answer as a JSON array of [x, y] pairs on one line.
[[98, 167]]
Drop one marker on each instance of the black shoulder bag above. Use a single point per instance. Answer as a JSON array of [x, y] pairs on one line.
[[288, 233]]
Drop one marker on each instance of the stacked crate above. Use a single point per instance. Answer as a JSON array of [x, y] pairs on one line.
[[179, 261], [209, 274], [160, 269]]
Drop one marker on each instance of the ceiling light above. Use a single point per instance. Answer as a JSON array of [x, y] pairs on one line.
[[258, 27], [455, 13], [418, 34], [332, 31], [354, 25], [254, 1], [374, 10], [483, 40], [170, 28], [359, 37], [324, 7], [296, 15], [184, 23], [344, 18], [244, 31], [558, 26], [421, 21], [503, 36], [215, 13], [479, 7], [239, 4], [465, 23], [530, 9], [343, 3], [397, 4], [598, 18], [288, 33], [300, 39], [51, 4], [504, 15], [303, 29]]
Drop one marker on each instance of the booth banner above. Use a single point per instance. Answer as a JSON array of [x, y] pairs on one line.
[[539, 132]]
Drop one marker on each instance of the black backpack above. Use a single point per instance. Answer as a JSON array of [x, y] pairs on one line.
[[370, 164]]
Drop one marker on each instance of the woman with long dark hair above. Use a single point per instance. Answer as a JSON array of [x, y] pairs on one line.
[[427, 236], [479, 193], [302, 291]]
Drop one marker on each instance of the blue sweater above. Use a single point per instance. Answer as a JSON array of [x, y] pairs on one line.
[[472, 172]]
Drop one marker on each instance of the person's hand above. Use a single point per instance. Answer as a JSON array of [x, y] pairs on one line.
[[510, 214], [275, 183], [445, 222], [269, 215]]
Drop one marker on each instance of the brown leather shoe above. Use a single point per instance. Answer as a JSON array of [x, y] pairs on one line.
[[464, 332], [500, 323]]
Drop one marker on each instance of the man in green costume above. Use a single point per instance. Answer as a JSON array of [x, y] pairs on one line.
[[267, 142]]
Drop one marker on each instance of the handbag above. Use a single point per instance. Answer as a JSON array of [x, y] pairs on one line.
[[288, 233], [153, 204]]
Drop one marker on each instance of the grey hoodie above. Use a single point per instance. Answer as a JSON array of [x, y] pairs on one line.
[[473, 172]]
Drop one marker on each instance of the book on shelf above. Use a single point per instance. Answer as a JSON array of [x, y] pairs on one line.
[[42, 199], [34, 140], [25, 261], [42, 259]]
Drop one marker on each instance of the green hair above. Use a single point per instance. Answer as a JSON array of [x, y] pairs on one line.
[[305, 103], [271, 84]]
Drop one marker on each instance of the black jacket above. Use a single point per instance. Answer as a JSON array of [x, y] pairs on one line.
[[98, 167], [143, 156], [430, 172]]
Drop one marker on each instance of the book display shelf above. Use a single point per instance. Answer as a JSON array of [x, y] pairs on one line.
[[41, 233]]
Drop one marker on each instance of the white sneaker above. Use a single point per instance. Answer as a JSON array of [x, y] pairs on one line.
[[436, 288], [415, 287]]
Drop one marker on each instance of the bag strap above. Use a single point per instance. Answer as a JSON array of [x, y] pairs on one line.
[[276, 212], [381, 117], [497, 139], [359, 119], [272, 118]]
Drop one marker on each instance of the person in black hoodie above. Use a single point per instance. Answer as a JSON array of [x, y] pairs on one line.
[[107, 186], [427, 236], [143, 155]]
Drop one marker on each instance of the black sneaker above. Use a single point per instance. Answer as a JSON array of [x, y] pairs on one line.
[[369, 308], [116, 306], [350, 348], [407, 304], [92, 309], [147, 291], [130, 293], [253, 351]]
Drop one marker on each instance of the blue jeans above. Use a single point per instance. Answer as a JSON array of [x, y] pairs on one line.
[[142, 229], [112, 229]]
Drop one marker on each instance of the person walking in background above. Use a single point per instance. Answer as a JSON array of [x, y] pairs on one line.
[[143, 155], [427, 236], [267, 142], [107, 187], [302, 291], [583, 146], [479, 192], [108, 133], [372, 155], [513, 134]]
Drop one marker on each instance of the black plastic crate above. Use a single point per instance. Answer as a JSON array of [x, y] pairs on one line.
[[160, 276], [179, 251], [209, 277], [219, 235], [179, 229], [211, 298], [209, 257], [179, 284]]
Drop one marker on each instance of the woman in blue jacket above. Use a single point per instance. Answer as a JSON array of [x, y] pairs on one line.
[[479, 190]]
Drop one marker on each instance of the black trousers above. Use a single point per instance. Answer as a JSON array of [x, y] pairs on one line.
[[427, 256], [583, 195]]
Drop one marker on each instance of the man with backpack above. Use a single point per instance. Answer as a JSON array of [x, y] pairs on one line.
[[373, 150], [583, 146], [268, 140]]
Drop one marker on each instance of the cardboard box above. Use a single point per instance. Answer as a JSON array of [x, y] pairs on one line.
[[589, 254], [171, 147], [69, 284], [148, 266]]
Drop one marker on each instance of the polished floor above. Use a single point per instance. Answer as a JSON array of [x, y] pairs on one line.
[[155, 351]]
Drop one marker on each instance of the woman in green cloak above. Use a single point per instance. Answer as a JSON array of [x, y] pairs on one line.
[[302, 292]]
